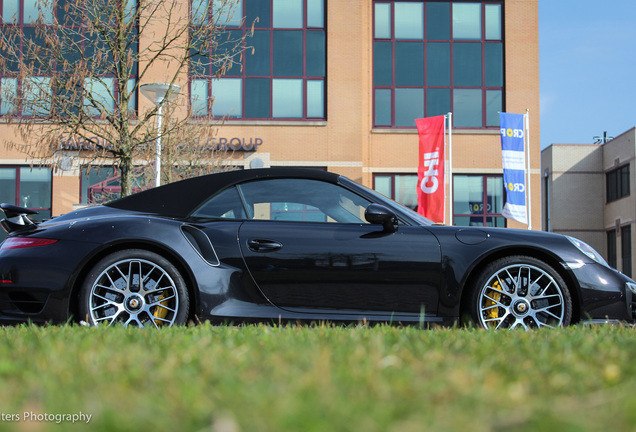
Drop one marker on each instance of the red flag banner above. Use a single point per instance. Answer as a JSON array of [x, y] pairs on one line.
[[431, 186]]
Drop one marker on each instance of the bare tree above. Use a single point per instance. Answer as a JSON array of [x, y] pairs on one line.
[[77, 69]]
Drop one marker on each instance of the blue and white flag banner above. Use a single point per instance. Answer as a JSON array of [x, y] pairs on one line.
[[514, 166]]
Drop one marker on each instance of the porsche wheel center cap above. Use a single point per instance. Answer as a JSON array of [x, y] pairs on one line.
[[521, 307], [134, 303]]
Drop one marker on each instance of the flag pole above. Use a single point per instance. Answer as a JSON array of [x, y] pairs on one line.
[[450, 162], [529, 195]]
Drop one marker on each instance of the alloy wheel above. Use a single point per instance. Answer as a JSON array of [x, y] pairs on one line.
[[134, 292], [521, 296]]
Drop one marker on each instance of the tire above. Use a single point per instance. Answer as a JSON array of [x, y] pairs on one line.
[[520, 292], [134, 287]]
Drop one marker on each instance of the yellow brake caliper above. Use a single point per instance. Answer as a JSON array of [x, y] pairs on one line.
[[495, 295], [161, 312]]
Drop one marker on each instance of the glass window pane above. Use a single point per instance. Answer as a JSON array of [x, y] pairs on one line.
[[315, 98], [257, 62], [499, 222], [294, 199], [36, 96], [199, 97], [257, 9], [288, 53], [10, 11], [462, 221], [468, 194], [227, 13], [226, 204], [315, 13], [493, 22], [438, 64], [382, 184], [438, 21], [225, 53], [409, 105], [382, 21], [467, 108], [131, 10], [91, 177], [7, 185], [287, 98], [198, 12], [382, 63], [406, 190], [258, 94], [493, 53], [494, 106], [100, 96], [227, 95], [383, 107], [467, 65], [35, 187], [409, 20], [466, 21], [438, 102], [288, 13], [409, 64], [494, 188], [132, 98], [315, 53], [8, 94], [34, 9]]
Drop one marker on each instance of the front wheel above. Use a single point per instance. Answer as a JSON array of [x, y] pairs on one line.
[[520, 292], [134, 287]]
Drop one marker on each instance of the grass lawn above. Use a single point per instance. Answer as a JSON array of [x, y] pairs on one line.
[[317, 378]]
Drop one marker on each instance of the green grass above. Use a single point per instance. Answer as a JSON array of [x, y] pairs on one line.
[[319, 378]]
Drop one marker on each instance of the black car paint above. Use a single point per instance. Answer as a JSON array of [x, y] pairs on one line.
[[240, 286]]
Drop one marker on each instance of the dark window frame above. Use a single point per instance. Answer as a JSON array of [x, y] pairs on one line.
[[485, 214], [245, 28], [392, 177], [617, 183], [484, 41], [20, 25], [611, 248], [626, 250]]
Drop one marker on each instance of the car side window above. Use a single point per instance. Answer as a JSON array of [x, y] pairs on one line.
[[302, 200], [299, 200], [225, 205]]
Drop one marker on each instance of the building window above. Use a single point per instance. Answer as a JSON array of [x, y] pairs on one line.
[[478, 200], [617, 183], [611, 248], [25, 17], [100, 184], [28, 26], [401, 188], [282, 73], [431, 58], [91, 186], [626, 250], [27, 187]]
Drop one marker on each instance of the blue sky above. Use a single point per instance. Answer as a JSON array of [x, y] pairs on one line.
[[587, 69]]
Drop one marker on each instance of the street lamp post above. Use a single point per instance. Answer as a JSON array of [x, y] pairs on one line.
[[158, 93]]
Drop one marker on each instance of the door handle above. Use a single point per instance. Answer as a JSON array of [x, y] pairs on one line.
[[260, 245]]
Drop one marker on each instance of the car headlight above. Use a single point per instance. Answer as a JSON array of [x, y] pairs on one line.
[[587, 250]]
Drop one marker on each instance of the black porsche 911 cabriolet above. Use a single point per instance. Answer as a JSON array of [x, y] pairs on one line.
[[285, 244]]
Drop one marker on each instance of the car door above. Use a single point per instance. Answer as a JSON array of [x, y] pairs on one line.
[[307, 245]]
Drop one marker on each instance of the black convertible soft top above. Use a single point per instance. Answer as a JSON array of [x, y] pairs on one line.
[[179, 199]]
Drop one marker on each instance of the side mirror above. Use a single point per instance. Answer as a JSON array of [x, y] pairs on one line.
[[379, 215]]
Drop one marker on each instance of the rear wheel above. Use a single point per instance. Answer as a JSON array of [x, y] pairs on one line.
[[520, 292], [134, 287]]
